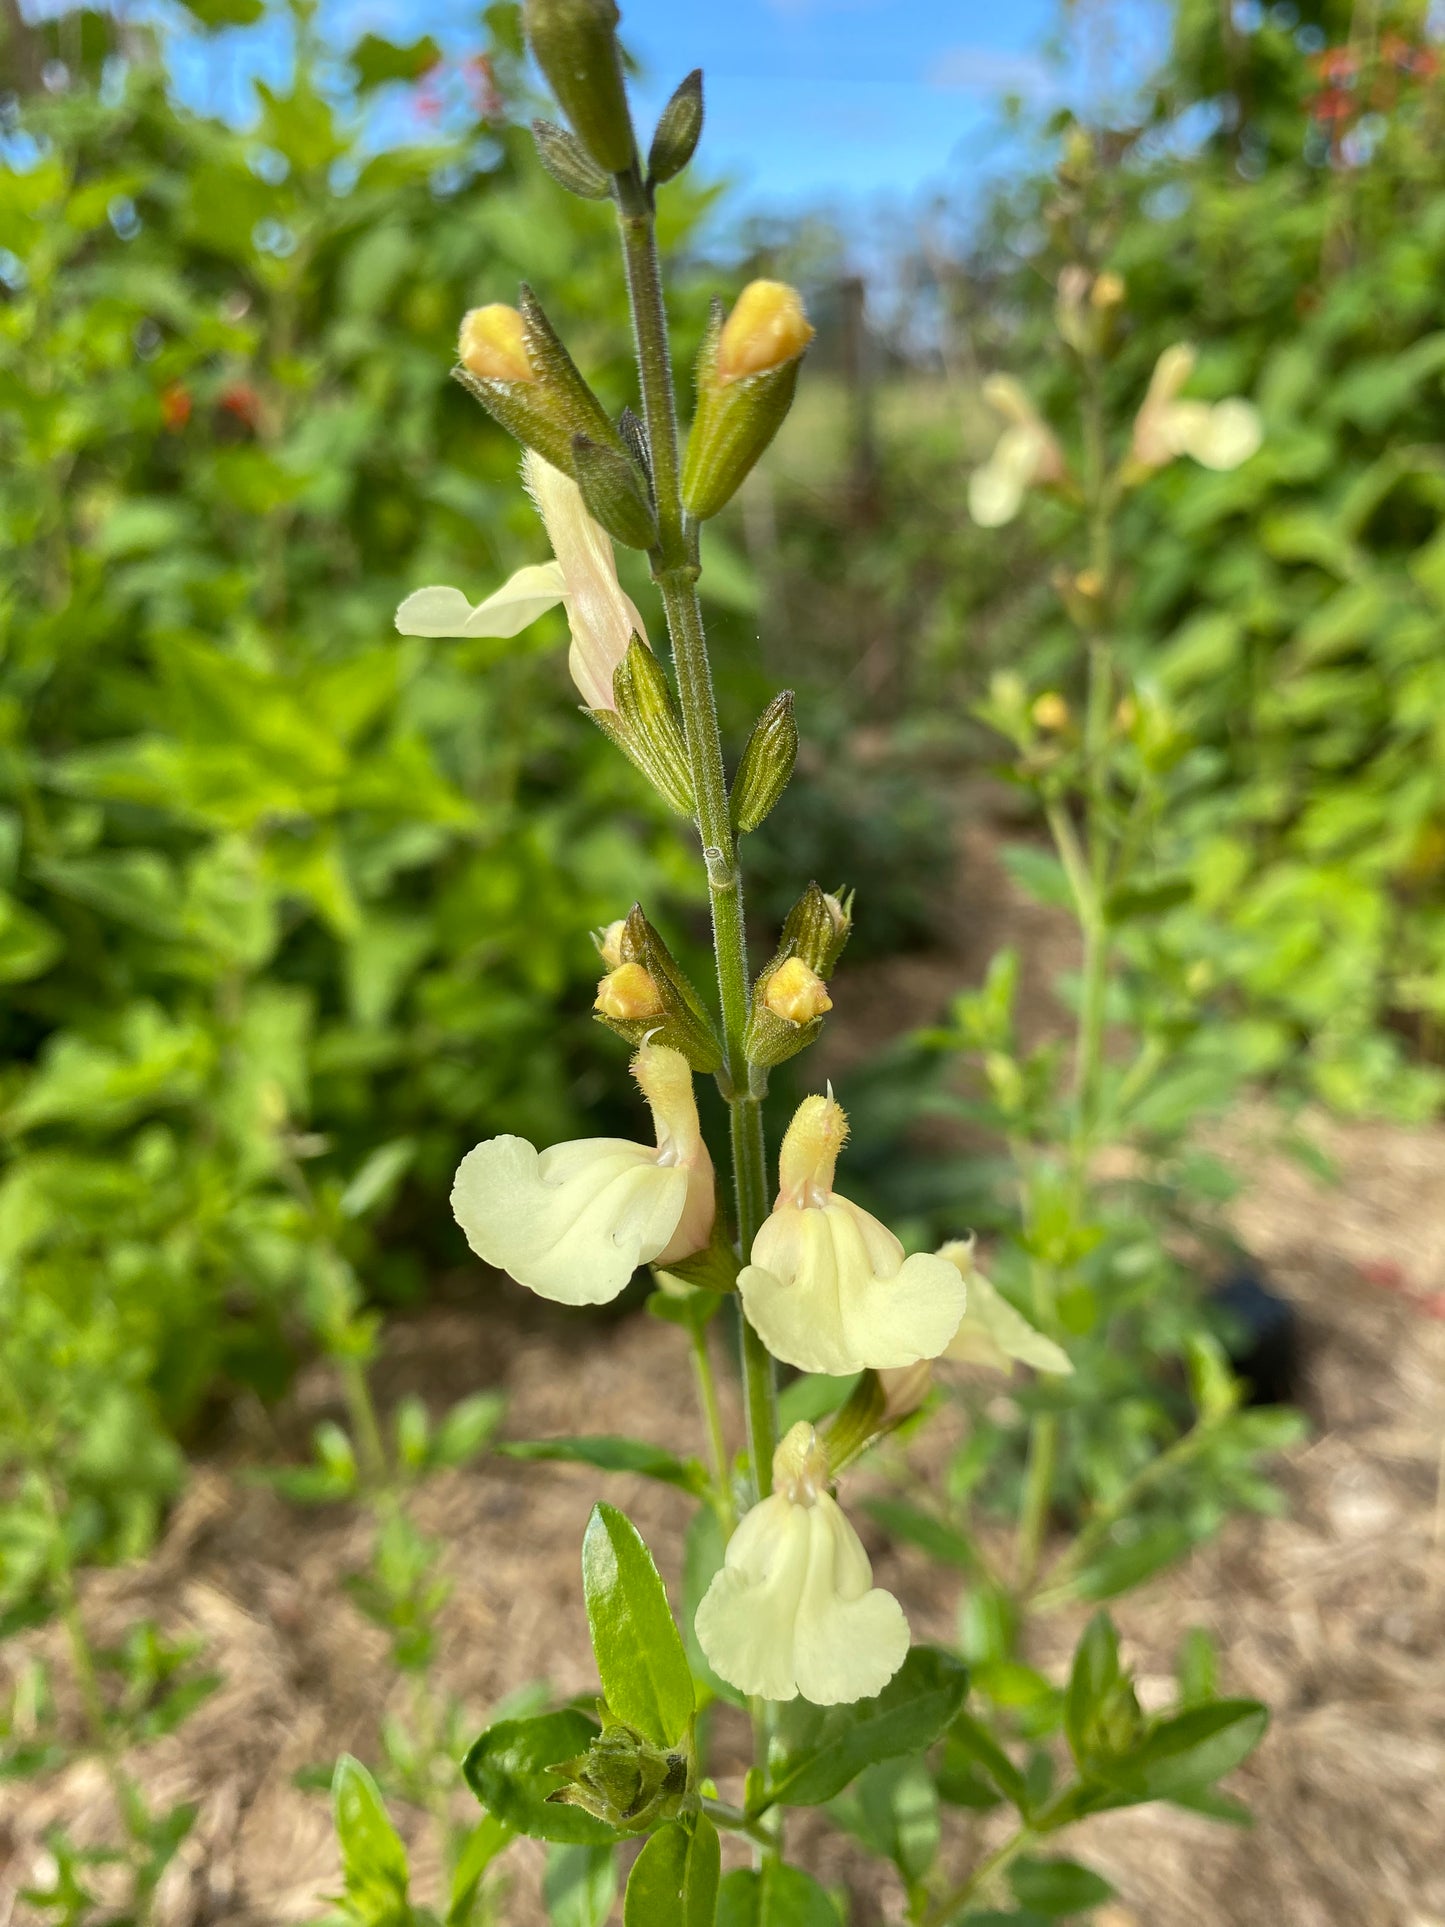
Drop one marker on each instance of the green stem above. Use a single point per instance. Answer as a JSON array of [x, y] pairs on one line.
[[675, 568], [977, 1882], [365, 1424], [717, 1438]]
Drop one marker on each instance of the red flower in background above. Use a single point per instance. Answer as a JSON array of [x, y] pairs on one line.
[[481, 85], [175, 407], [240, 400]]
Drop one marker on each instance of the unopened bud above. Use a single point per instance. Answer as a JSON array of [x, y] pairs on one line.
[[514, 363], [1108, 290], [1126, 715], [766, 328], [1050, 711], [615, 492], [797, 993], [678, 131], [624, 1780], [766, 765], [644, 723], [746, 374], [629, 994], [647, 996], [575, 43], [493, 346], [568, 162]]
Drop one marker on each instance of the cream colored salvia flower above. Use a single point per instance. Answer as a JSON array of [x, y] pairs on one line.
[[574, 1222], [1026, 455], [1219, 435], [793, 1610], [828, 1288], [992, 1333], [582, 577]]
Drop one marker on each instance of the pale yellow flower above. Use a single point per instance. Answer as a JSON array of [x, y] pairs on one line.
[[1219, 435], [793, 1610], [1026, 456], [828, 1288], [582, 577], [992, 1333], [574, 1222]]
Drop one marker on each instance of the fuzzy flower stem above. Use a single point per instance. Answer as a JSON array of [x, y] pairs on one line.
[[675, 569]]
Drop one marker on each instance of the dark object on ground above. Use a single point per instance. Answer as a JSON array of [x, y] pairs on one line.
[[1261, 1335]]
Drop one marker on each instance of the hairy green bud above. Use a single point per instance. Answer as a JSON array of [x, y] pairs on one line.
[[568, 162], [678, 131], [575, 43], [766, 765]]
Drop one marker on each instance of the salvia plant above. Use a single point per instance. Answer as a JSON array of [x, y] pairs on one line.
[[781, 1616]]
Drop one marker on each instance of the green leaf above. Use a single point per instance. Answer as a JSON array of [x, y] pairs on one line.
[[970, 1741], [1055, 1887], [511, 1769], [778, 1896], [1190, 1751], [580, 1885], [28, 945], [485, 1841], [1095, 1674], [1121, 1567], [373, 1859], [893, 1809], [611, 1454], [813, 1397], [935, 1536], [467, 1427], [377, 61], [674, 1880], [826, 1747], [645, 1676], [225, 13]]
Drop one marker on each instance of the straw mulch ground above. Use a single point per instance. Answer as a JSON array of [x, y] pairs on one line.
[[1334, 1614]]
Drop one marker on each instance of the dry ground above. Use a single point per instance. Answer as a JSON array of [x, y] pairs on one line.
[[1333, 1614]]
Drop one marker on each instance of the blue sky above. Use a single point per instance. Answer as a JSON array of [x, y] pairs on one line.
[[832, 101]]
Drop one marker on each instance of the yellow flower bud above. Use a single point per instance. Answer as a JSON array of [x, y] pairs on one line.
[[797, 993], [766, 328], [492, 344], [609, 943], [1108, 291], [1050, 711], [629, 993], [1127, 714]]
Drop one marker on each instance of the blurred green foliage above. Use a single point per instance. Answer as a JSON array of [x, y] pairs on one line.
[[293, 909], [1279, 200]]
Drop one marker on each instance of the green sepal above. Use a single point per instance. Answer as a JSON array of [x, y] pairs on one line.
[[766, 764], [646, 727], [557, 404], [575, 44], [684, 1025], [568, 162], [818, 927], [714, 1269], [733, 425], [615, 494], [625, 1780], [679, 129], [862, 1419], [769, 1039]]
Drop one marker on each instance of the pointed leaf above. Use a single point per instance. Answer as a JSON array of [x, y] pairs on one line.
[[640, 1659]]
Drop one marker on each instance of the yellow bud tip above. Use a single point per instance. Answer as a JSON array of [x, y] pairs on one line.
[[493, 346], [1050, 711], [1108, 291], [809, 1151], [766, 329], [629, 993], [609, 942], [1090, 584], [800, 1466], [1127, 714], [797, 993]]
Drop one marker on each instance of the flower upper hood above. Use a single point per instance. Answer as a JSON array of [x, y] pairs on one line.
[[828, 1288]]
